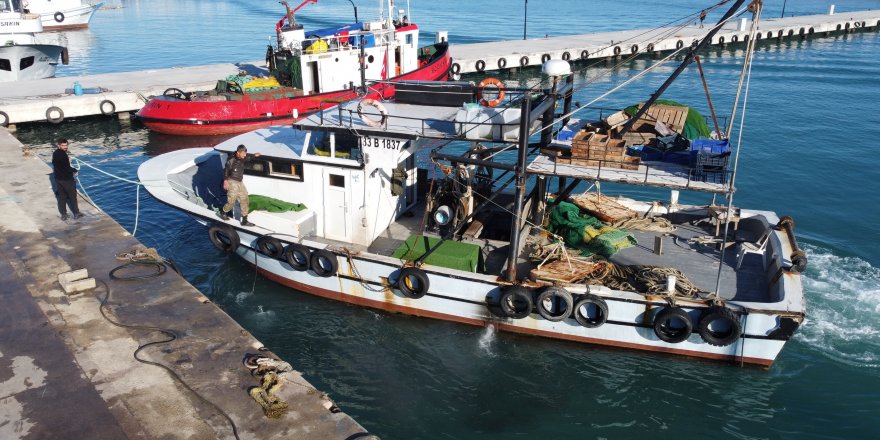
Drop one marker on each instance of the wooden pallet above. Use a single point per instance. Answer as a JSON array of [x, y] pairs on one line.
[[672, 116], [602, 207]]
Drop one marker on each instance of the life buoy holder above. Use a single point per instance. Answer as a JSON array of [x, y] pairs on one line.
[[673, 325], [524, 61], [54, 115], [107, 107], [480, 65], [298, 257], [324, 263], [372, 122], [516, 302], [224, 238], [617, 50], [634, 49], [554, 304], [413, 282], [4, 119], [59, 16], [502, 63], [590, 311], [585, 54], [719, 327], [455, 69], [679, 44], [566, 56], [270, 246], [490, 82]]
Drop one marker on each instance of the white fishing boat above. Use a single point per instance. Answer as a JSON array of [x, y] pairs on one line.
[[21, 57], [367, 227], [59, 15]]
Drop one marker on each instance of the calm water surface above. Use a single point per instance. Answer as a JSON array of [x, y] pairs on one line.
[[809, 149]]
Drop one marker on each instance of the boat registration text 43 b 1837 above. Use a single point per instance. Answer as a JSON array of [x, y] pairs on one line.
[[373, 142]]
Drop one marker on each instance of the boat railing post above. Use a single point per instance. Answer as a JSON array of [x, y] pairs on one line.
[[513, 253]]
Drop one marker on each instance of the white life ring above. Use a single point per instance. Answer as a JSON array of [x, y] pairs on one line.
[[372, 122]]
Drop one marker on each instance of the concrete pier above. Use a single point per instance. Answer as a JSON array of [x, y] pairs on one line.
[[66, 372], [121, 93]]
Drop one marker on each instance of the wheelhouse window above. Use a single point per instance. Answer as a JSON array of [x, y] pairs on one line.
[[26, 62], [5, 65], [319, 143], [339, 145], [348, 146], [274, 167]]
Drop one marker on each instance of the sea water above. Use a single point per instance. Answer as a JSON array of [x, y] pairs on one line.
[[809, 150]]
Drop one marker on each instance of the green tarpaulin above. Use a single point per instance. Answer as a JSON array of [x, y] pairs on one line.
[[450, 254], [266, 203], [695, 126]]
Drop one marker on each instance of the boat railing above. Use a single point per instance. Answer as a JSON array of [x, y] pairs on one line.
[[341, 42]]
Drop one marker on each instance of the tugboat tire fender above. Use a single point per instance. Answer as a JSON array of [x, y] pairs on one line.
[[413, 282], [560, 301], [729, 332], [298, 257], [270, 246], [323, 263], [582, 308], [490, 82], [516, 302], [666, 331], [224, 238]]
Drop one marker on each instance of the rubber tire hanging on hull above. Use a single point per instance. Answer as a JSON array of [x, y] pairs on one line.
[[584, 318], [59, 17], [298, 257], [413, 282], [270, 247], [217, 233], [719, 338], [4, 119], [664, 330], [561, 301], [105, 110], [516, 302], [318, 260], [54, 119]]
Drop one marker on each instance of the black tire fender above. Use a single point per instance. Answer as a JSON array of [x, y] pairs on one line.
[[59, 16], [323, 263], [617, 50], [455, 68], [714, 317], [413, 282], [566, 56], [545, 58], [634, 49], [480, 65], [524, 61], [560, 301], [679, 44], [4, 119], [588, 317], [650, 48], [224, 238], [298, 257], [270, 246], [664, 326], [585, 54], [54, 115], [65, 56], [502, 63], [516, 302], [107, 107]]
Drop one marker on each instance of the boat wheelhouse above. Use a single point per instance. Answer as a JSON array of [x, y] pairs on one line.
[[309, 70]]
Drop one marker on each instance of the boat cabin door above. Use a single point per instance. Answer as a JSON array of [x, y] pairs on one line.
[[314, 84], [337, 199]]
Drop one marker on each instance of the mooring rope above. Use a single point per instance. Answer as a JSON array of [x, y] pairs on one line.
[[78, 163]]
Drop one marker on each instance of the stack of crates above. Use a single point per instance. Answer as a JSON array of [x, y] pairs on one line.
[[600, 150]]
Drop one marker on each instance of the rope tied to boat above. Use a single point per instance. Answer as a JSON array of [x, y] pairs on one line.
[[655, 224]]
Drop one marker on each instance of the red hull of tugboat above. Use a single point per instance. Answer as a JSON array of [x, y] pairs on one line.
[[174, 116]]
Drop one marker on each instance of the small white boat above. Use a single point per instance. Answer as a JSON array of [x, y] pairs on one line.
[[21, 57], [62, 14], [484, 241]]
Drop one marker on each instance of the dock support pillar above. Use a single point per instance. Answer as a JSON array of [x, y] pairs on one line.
[[11, 128], [124, 116]]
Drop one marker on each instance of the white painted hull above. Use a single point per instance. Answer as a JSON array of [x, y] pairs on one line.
[[72, 18], [44, 61]]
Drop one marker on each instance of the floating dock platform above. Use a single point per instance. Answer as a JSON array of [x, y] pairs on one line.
[[67, 372], [123, 93]]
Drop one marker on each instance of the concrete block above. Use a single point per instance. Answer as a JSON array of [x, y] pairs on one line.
[[76, 281]]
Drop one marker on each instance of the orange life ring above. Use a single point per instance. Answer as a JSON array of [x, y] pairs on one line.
[[383, 113], [491, 82]]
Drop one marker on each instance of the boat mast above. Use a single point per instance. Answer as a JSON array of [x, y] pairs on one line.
[[687, 61], [520, 171]]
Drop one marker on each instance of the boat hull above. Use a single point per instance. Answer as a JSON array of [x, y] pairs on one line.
[[175, 116], [67, 19], [29, 61]]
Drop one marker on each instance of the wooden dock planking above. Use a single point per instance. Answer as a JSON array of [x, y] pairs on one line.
[[533, 52]]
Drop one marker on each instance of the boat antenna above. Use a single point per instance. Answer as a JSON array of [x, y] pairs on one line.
[[687, 60]]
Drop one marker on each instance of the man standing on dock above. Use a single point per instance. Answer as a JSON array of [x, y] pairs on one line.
[[235, 190], [65, 185], [702, 17]]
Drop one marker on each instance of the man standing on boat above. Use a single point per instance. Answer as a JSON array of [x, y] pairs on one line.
[[235, 190], [65, 186]]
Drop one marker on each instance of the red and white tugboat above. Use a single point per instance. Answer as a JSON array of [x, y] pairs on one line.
[[310, 71]]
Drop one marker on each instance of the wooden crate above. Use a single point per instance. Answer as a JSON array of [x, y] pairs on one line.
[[602, 207], [672, 116]]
